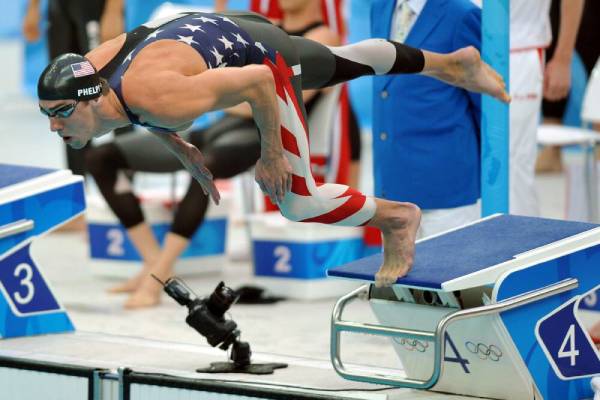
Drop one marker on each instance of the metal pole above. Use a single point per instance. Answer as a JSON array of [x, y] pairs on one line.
[[16, 227]]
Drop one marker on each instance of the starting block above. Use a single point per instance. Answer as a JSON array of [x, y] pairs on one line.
[[113, 254], [291, 258], [33, 202], [500, 309]]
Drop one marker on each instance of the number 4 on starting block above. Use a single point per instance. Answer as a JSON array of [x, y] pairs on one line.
[[568, 348], [27, 305]]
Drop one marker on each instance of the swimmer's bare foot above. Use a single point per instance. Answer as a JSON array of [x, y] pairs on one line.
[[130, 285], [399, 223], [146, 295], [466, 69]]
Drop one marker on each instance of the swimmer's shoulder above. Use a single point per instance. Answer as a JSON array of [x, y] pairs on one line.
[[150, 73], [168, 55], [101, 55]]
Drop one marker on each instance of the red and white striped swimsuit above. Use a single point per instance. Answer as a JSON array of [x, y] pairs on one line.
[[308, 201]]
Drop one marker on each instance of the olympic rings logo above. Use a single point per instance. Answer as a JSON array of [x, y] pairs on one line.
[[591, 299], [412, 344], [484, 352]]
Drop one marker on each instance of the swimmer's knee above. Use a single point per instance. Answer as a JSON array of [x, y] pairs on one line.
[[94, 159], [216, 165], [291, 217], [289, 212]]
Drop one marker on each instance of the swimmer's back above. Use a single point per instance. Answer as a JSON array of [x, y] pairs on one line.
[[159, 55], [185, 44]]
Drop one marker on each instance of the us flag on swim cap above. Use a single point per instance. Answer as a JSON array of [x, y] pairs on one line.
[[83, 68]]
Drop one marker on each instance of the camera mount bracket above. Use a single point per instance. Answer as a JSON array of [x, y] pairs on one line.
[[206, 316], [230, 367]]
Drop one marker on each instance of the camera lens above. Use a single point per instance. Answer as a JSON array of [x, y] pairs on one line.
[[221, 299]]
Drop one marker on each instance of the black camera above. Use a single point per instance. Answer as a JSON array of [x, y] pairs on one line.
[[207, 317]]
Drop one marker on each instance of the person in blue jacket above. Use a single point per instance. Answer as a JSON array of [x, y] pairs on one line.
[[426, 133]]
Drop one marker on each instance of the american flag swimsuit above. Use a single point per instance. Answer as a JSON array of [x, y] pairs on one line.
[[222, 43]]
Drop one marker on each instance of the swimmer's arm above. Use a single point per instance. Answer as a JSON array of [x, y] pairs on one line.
[[112, 20], [557, 73], [31, 21], [220, 5], [192, 159], [172, 98]]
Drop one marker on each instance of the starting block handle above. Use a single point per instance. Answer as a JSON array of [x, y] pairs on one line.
[[14, 228], [338, 326]]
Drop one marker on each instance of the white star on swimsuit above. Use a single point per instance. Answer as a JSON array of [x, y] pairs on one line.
[[204, 19], [218, 56], [240, 39], [186, 39], [227, 20], [154, 34], [261, 47], [128, 58], [226, 43], [222, 65], [193, 28]]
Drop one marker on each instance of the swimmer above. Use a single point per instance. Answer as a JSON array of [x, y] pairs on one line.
[[230, 146], [166, 73]]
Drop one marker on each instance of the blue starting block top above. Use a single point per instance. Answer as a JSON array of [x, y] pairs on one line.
[[13, 174], [46, 197], [33, 201], [470, 249]]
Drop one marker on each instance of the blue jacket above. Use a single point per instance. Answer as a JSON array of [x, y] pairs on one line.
[[426, 133]]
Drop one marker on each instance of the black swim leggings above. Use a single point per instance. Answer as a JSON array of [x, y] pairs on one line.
[[324, 66], [230, 147]]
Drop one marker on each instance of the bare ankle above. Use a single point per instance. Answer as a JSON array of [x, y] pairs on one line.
[[391, 215]]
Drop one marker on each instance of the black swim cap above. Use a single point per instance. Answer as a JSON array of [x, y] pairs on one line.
[[69, 76]]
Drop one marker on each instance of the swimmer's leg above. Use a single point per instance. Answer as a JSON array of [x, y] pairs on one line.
[[106, 164], [230, 147], [325, 66], [330, 203], [336, 204]]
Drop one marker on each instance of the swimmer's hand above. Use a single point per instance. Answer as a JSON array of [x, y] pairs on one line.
[[274, 176], [196, 167], [192, 159]]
